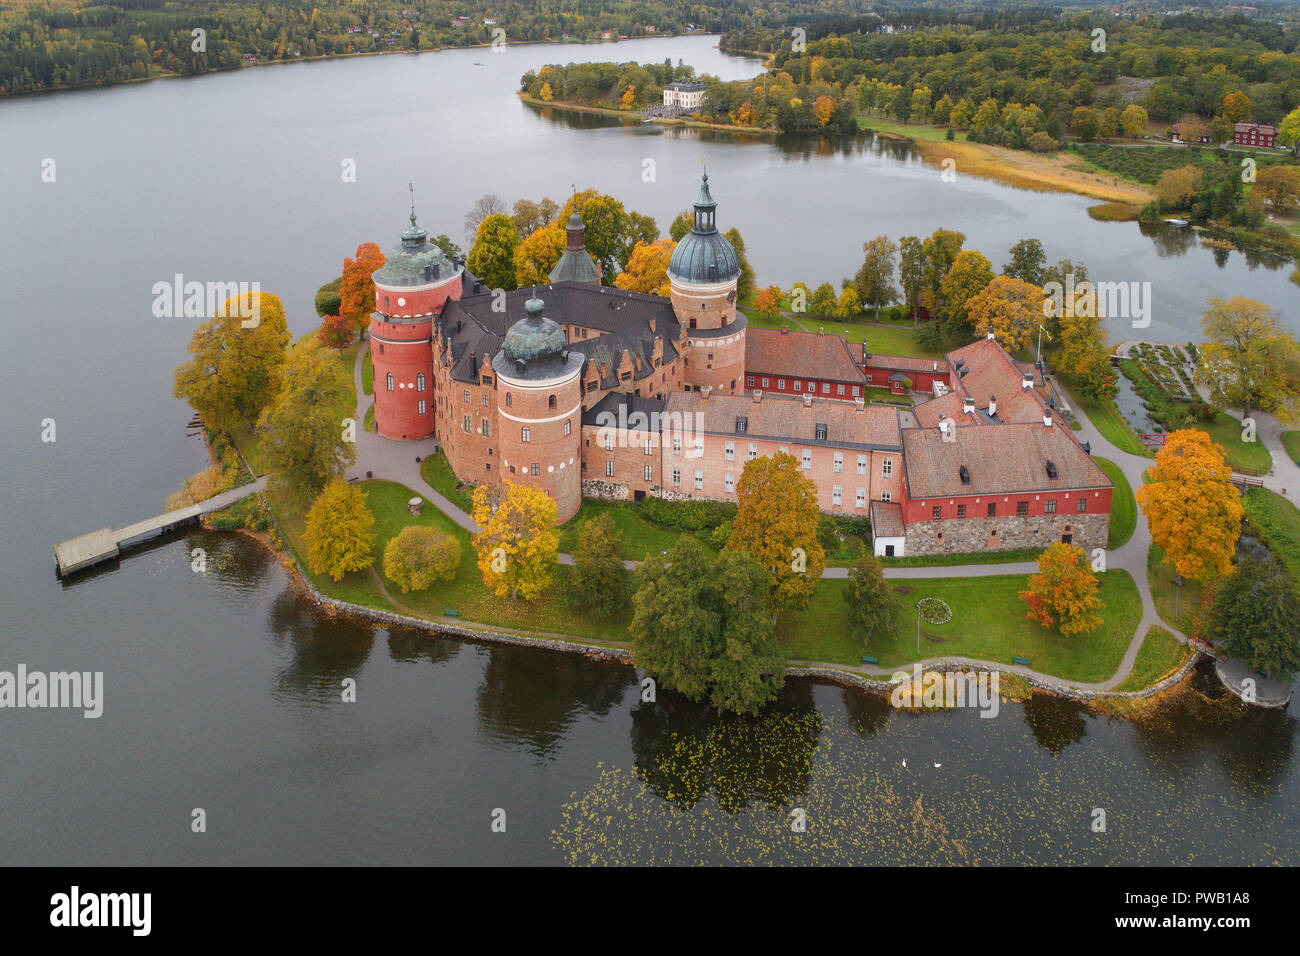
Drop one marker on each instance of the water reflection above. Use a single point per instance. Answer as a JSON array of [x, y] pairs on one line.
[[532, 698], [1056, 722], [1168, 240], [324, 648], [411, 644], [233, 559]]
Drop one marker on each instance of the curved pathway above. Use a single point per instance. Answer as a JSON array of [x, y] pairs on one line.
[[397, 461]]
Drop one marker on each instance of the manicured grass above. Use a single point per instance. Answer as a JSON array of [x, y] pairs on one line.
[[1123, 506], [887, 339], [639, 538], [979, 557], [368, 375], [1164, 594], [922, 132], [1291, 442], [988, 623], [369, 423], [1277, 521], [1160, 654], [348, 356], [439, 475], [1107, 419], [885, 395], [1226, 430]]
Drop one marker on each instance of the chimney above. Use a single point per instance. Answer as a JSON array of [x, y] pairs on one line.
[[993, 405], [758, 395], [936, 367], [807, 401], [943, 427], [785, 330], [821, 330], [1047, 417], [705, 390], [859, 404], [968, 406], [652, 323], [992, 337], [1026, 381]]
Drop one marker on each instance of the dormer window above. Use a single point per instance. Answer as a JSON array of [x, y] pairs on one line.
[[819, 431], [1051, 471], [964, 473], [742, 424]]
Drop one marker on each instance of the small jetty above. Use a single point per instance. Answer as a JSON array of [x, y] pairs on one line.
[[77, 554]]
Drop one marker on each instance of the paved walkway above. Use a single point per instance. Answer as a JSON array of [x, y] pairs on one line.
[[396, 461]]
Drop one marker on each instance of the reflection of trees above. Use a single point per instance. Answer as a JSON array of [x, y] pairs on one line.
[[233, 559], [867, 712], [1056, 722], [1220, 256], [1253, 744], [324, 647], [1168, 240], [409, 644], [531, 697], [684, 750]]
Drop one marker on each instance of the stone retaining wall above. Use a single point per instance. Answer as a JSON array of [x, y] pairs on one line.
[[972, 535]]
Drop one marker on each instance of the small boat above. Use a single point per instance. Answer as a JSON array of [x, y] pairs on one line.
[[1176, 222]]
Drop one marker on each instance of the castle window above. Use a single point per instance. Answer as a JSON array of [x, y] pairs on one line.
[[419, 382], [729, 482], [649, 473], [862, 464], [765, 383], [1051, 506], [819, 431], [807, 460], [647, 446], [798, 385], [936, 513], [780, 384], [525, 434], [487, 432], [390, 381], [469, 426], [826, 388], [509, 400], [677, 477], [839, 462], [839, 389], [550, 402], [609, 469], [887, 468], [1022, 508], [857, 390], [993, 509], [466, 396], [729, 452], [677, 444], [609, 441], [886, 496], [1082, 505], [861, 500], [536, 468], [381, 348], [699, 446], [742, 423], [961, 511], [699, 480], [423, 408], [568, 426], [485, 400], [837, 496], [753, 451]]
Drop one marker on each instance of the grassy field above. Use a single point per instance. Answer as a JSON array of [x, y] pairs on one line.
[[889, 339], [640, 538], [979, 557], [1174, 608], [369, 423], [1160, 654], [1123, 506], [988, 623], [921, 132], [1291, 442], [1106, 418], [439, 475], [368, 377], [1277, 521]]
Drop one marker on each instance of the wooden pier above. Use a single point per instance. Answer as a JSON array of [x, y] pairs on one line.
[[82, 552]]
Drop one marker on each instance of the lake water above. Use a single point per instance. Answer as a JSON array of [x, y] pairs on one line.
[[222, 690]]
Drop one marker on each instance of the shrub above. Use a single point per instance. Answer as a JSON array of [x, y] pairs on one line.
[[689, 516], [419, 555], [328, 298]]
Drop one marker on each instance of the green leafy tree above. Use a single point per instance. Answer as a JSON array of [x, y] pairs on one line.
[[1028, 262], [702, 627], [1249, 361], [873, 605], [599, 581], [419, 555], [340, 531], [1254, 618], [911, 272], [681, 225], [492, 257], [745, 282], [969, 276], [875, 276]]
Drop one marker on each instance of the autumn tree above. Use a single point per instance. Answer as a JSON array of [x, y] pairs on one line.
[[647, 269], [939, 252], [538, 254], [768, 301], [875, 277], [823, 109], [234, 371], [873, 604], [1288, 131], [529, 216], [1028, 262], [486, 205], [1085, 123], [306, 439], [1254, 617], [776, 523], [1192, 510], [849, 304], [1236, 107], [516, 541], [1011, 308], [1133, 121], [1191, 128], [546, 94], [822, 301], [335, 331], [357, 290], [1249, 361], [612, 231], [745, 281], [419, 555], [968, 277], [340, 531], [599, 582], [1085, 354], [702, 627], [492, 257], [1179, 187], [1064, 591], [911, 272], [1280, 185]]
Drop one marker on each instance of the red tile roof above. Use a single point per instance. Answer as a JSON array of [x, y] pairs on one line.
[[991, 373], [800, 355], [787, 418], [887, 519]]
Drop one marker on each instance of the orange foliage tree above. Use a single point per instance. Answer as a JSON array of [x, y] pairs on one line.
[[647, 269], [335, 331], [769, 301], [1064, 591], [823, 109], [357, 290], [1192, 509]]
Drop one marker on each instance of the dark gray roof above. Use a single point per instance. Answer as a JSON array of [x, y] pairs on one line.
[[633, 410], [704, 256], [576, 265]]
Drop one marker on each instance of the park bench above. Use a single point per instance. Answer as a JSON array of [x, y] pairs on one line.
[[870, 660], [451, 612], [1021, 660]]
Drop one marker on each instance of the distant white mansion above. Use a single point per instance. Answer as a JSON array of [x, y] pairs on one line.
[[684, 96]]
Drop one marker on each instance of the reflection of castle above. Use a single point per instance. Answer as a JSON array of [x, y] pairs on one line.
[[567, 388]]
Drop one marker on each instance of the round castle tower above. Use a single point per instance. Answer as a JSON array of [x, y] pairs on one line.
[[411, 288], [702, 276], [539, 409]]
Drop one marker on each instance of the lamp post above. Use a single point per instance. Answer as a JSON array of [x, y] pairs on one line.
[[918, 629], [1178, 589]]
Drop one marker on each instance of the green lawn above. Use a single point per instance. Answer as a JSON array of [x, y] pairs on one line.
[[917, 131], [1174, 608], [639, 538], [1226, 430], [1123, 506], [988, 623], [439, 475], [888, 339], [1277, 521], [1160, 654], [977, 557], [369, 423], [348, 356], [1106, 418], [368, 376], [1291, 442]]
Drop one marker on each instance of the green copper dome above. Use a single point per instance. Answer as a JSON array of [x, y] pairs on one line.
[[704, 256], [415, 262], [534, 336]]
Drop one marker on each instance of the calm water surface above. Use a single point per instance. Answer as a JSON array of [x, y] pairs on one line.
[[222, 689]]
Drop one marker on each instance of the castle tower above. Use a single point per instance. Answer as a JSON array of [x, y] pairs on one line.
[[702, 278], [576, 264], [411, 288], [539, 409]]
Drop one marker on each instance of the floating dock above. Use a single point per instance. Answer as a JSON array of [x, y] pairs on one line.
[[77, 554]]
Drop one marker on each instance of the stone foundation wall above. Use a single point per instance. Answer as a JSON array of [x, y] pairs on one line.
[[965, 535], [605, 490]]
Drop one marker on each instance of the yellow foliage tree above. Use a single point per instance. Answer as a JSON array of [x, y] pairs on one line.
[[647, 269], [823, 109], [517, 542], [1192, 510], [537, 255], [1009, 307], [418, 555], [340, 531], [776, 524], [628, 98], [546, 93]]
